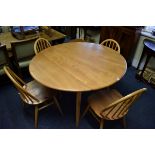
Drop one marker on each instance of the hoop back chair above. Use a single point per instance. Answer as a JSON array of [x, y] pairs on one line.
[[41, 44], [33, 93], [23, 52], [111, 105], [113, 44], [4, 58]]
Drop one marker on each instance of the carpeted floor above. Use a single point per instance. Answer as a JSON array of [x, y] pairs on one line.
[[14, 116]]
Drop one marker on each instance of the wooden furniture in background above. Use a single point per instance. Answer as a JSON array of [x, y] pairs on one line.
[[53, 36], [111, 105], [23, 51], [69, 31], [4, 58], [7, 38], [40, 44], [127, 37], [33, 93], [111, 44], [77, 67]]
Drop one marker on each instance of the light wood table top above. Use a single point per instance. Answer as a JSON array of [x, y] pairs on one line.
[[6, 38], [78, 67]]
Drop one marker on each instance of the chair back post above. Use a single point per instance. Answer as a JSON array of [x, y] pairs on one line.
[[120, 108], [19, 83], [111, 43], [41, 44]]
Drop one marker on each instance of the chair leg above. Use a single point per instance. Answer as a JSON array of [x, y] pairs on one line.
[[101, 123], [123, 122], [84, 113], [58, 105], [36, 116]]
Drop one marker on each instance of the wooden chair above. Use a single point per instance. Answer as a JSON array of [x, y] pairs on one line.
[[111, 105], [23, 52], [4, 58], [33, 93], [111, 44], [41, 44]]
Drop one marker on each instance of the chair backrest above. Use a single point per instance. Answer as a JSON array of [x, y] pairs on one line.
[[23, 49], [19, 83], [41, 44], [4, 58], [113, 44], [120, 108]]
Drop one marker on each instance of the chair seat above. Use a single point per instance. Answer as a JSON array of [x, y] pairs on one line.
[[39, 91], [102, 99]]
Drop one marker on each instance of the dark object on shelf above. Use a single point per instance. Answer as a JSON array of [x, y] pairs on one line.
[[149, 51], [126, 36], [19, 32]]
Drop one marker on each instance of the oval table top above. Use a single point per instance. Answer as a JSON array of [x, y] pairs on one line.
[[78, 67]]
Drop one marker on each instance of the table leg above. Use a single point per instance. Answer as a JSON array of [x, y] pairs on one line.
[[78, 102]]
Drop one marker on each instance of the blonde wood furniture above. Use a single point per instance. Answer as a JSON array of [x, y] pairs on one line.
[[111, 105], [33, 93], [77, 67], [40, 44], [111, 44], [6, 38], [53, 35]]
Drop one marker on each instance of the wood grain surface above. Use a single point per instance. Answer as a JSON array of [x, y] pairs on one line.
[[77, 67]]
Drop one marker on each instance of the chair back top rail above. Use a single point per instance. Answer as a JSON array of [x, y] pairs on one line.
[[111, 43], [19, 83], [120, 107], [41, 44]]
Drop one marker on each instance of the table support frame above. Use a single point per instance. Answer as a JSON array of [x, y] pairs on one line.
[[78, 104]]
